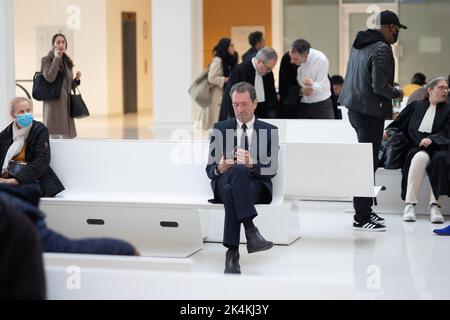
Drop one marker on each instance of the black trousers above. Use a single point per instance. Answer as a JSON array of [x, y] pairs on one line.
[[369, 130], [239, 193], [318, 110]]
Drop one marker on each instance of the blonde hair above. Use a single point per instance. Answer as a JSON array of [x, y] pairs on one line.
[[16, 101]]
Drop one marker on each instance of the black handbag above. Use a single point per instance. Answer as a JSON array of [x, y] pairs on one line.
[[47, 91], [394, 150], [14, 168], [78, 108]]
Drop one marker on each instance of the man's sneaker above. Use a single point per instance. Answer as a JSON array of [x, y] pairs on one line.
[[368, 226], [409, 214], [377, 219], [435, 214]]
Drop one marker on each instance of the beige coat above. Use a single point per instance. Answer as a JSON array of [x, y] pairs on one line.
[[210, 115], [57, 112]]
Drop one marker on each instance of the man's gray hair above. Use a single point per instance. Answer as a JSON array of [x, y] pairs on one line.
[[243, 87], [300, 46], [267, 54]]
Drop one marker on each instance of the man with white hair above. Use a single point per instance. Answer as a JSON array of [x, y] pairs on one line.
[[257, 72]]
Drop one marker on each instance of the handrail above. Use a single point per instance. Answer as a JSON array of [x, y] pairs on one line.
[[25, 90]]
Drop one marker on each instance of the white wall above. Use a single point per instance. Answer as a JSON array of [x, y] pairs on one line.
[[6, 60], [88, 47], [174, 31]]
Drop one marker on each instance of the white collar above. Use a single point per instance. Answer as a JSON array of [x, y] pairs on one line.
[[250, 124], [254, 66]]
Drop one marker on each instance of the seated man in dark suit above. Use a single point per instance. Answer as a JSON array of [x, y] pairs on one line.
[[243, 159]]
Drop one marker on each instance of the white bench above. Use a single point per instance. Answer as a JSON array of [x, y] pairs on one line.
[[314, 131], [148, 193], [326, 155]]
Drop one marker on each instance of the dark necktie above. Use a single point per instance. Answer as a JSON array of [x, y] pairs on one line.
[[244, 138]]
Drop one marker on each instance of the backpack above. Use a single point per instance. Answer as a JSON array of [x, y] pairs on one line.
[[200, 90]]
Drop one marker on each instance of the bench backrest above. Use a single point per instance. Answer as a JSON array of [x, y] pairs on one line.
[[329, 170], [314, 131], [156, 168]]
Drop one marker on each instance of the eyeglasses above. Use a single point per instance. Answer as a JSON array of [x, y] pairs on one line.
[[445, 88]]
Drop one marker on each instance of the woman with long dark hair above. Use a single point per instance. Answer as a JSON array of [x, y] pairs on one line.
[[57, 112], [225, 58]]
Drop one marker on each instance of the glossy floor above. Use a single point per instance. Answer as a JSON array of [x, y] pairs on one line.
[[329, 261]]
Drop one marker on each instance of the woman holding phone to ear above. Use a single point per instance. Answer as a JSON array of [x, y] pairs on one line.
[[57, 112]]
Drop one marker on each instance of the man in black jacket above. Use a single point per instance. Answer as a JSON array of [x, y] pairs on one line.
[[257, 72], [368, 92]]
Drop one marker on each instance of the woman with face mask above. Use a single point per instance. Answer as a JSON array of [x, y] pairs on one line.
[[25, 152], [57, 112], [426, 125]]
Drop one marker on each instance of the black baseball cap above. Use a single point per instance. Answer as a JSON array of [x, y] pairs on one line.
[[388, 17]]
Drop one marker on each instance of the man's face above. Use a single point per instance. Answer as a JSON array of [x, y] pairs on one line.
[[244, 107], [337, 88], [391, 33], [264, 68], [297, 58], [261, 44]]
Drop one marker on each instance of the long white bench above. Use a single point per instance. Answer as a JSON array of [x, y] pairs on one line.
[[148, 193]]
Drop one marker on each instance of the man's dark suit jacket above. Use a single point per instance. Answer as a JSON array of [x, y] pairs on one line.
[[246, 72], [265, 155]]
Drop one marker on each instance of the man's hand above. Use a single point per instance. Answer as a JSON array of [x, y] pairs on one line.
[[307, 92], [425, 143], [78, 76], [225, 165], [385, 135], [243, 157], [11, 182], [308, 82]]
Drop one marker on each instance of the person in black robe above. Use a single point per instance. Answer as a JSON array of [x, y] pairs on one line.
[[426, 125], [262, 65]]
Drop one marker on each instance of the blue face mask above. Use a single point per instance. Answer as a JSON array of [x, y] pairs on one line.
[[24, 120]]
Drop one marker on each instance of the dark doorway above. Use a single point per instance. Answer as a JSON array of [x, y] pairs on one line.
[[129, 52]]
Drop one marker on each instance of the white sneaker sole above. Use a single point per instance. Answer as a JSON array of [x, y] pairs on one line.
[[368, 230], [437, 220], [409, 219]]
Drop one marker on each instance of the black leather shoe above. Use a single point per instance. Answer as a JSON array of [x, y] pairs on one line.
[[256, 242], [232, 262]]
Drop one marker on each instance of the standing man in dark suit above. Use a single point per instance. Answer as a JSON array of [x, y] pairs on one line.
[[368, 92], [243, 159], [257, 42], [257, 72]]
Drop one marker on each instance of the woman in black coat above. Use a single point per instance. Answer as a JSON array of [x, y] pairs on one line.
[[25, 151], [425, 123]]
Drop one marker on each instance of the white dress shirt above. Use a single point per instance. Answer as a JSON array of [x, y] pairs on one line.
[[427, 123], [259, 84], [317, 69], [250, 130]]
